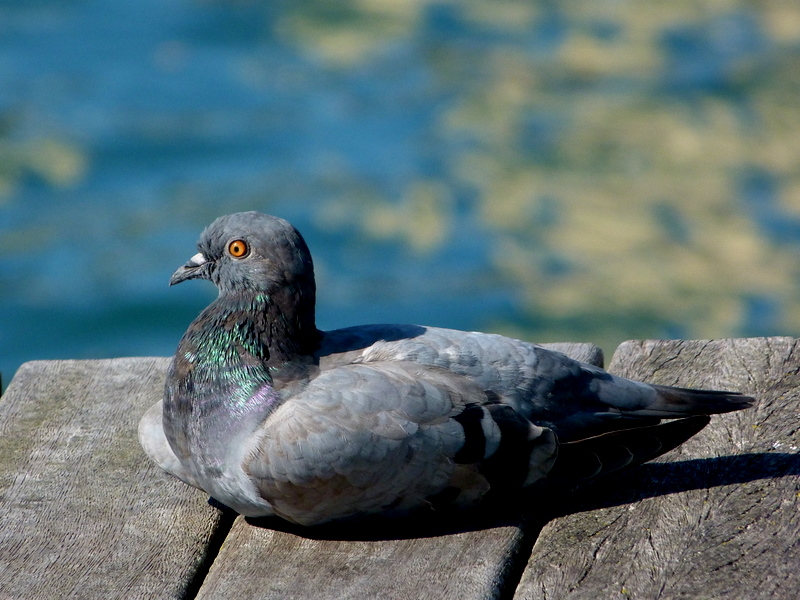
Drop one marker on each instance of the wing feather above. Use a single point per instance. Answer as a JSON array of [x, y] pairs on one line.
[[362, 437]]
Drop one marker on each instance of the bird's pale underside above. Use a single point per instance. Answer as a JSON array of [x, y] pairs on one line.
[[271, 416]]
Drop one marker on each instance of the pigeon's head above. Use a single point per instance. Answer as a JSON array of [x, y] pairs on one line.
[[251, 251]]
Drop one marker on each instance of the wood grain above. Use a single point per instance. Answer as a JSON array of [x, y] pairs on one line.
[[84, 513], [716, 518], [264, 563]]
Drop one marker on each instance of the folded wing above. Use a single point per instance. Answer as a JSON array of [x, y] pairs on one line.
[[366, 438]]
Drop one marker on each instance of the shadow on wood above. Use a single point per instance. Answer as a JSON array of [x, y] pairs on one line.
[[653, 480]]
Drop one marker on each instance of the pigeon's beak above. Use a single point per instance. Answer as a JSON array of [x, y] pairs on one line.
[[196, 268]]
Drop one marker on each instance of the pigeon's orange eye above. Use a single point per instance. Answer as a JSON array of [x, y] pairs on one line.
[[238, 248]]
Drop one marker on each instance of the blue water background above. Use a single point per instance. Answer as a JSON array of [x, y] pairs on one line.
[[435, 155]]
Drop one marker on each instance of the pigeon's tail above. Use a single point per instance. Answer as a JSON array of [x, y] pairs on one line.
[[675, 403], [600, 455]]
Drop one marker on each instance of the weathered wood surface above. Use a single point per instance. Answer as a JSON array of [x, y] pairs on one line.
[[85, 514], [717, 517]]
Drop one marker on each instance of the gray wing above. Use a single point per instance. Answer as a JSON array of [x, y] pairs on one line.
[[365, 438], [575, 399]]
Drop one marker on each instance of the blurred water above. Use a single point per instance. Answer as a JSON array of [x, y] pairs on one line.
[[560, 171]]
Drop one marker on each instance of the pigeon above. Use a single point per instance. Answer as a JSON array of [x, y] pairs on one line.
[[273, 417]]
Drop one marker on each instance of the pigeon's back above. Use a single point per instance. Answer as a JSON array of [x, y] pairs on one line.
[[547, 387]]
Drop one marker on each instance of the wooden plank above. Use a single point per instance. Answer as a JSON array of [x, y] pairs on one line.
[[450, 557], [588, 353], [716, 518], [85, 514], [265, 563]]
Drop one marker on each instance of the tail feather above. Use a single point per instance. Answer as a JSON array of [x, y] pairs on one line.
[[603, 454], [675, 403]]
